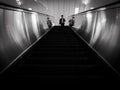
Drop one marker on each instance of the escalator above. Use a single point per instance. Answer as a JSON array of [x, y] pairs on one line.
[[62, 56]]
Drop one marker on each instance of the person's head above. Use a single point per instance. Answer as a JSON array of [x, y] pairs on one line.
[[62, 16]]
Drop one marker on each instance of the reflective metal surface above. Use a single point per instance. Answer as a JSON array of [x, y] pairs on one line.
[[18, 31], [101, 29]]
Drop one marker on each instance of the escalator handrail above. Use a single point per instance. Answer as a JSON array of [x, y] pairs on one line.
[[19, 9], [100, 8]]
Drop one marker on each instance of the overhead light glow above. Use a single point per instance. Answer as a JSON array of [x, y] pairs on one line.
[[29, 8], [76, 10], [19, 2], [85, 2], [91, 8]]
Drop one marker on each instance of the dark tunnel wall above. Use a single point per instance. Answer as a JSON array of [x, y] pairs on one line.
[[19, 29], [101, 29]]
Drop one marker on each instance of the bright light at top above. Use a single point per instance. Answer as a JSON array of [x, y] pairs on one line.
[[92, 8], [85, 2], [19, 2], [76, 10], [29, 8]]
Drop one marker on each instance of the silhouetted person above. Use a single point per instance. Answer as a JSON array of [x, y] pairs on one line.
[[49, 23], [62, 21], [71, 22]]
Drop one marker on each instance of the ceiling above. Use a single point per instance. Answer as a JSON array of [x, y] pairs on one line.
[[51, 6], [58, 7]]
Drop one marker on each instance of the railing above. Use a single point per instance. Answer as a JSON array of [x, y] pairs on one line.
[[100, 28], [19, 30]]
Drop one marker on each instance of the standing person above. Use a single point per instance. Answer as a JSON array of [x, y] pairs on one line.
[[62, 21], [49, 23], [71, 22]]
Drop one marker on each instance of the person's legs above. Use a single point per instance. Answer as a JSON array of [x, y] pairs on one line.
[[62, 24]]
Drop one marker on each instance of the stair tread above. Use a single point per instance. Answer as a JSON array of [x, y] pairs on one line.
[[62, 54]]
